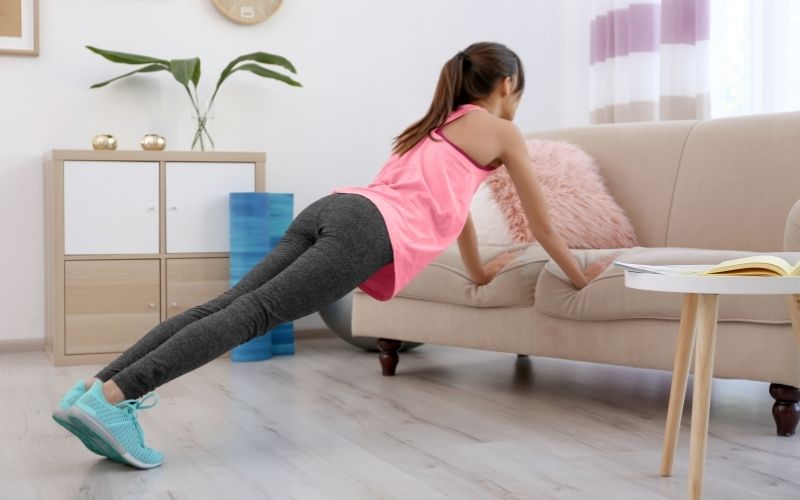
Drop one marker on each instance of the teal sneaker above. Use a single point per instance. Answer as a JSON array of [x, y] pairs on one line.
[[60, 413], [60, 416], [116, 426]]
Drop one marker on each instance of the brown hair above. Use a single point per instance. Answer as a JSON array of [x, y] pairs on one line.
[[468, 76]]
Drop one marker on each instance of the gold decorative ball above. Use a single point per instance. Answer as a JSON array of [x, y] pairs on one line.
[[153, 142], [104, 141]]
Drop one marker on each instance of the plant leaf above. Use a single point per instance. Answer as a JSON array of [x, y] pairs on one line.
[[266, 58], [185, 70], [196, 75], [146, 69], [122, 57], [262, 57], [267, 73]]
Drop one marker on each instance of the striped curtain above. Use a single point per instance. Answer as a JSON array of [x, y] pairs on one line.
[[649, 60]]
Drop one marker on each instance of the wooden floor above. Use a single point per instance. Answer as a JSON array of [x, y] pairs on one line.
[[454, 423]]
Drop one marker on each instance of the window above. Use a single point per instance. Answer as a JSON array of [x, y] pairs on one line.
[[755, 56]]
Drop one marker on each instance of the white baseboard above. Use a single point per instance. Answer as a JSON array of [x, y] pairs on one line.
[[37, 344], [21, 345]]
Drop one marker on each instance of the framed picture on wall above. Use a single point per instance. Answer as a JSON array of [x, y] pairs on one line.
[[19, 27]]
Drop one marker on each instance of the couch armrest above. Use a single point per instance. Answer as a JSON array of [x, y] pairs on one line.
[[791, 234]]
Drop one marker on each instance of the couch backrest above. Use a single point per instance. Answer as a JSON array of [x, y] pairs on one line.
[[639, 163], [725, 183], [738, 180]]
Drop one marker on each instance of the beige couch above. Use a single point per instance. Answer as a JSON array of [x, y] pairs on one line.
[[696, 192]]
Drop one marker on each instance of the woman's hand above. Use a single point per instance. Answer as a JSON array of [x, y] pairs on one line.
[[597, 267], [497, 264]]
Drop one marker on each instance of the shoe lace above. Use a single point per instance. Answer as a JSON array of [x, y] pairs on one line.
[[131, 406]]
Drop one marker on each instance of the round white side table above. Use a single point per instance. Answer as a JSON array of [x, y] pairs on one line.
[[699, 309]]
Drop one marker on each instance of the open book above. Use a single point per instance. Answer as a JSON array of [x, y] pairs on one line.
[[646, 268], [756, 265]]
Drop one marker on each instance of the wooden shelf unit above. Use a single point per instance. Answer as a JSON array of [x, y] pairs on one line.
[[131, 239]]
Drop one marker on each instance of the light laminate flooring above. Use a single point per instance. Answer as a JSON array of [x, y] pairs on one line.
[[454, 423]]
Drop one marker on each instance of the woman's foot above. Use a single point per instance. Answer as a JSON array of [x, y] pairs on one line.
[[112, 392], [115, 426], [60, 416]]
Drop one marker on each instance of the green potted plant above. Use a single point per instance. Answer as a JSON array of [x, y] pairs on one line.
[[187, 73]]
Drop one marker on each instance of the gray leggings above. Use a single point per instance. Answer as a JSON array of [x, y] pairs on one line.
[[330, 248]]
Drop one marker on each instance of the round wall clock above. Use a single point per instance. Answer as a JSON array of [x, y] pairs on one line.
[[247, 11]]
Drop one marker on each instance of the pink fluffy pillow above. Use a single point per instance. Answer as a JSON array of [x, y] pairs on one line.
[[580, 207]]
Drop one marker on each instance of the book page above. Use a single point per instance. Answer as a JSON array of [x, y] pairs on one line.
[[770, 262]]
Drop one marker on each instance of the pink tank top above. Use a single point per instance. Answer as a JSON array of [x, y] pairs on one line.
[[424, 197]]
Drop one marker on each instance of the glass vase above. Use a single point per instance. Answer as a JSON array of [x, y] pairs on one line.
[[202, 140]]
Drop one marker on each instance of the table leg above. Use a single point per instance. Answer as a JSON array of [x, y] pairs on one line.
[[680, 374], [703, 370]]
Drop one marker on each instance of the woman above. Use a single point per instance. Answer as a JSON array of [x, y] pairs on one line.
[[376, 238]]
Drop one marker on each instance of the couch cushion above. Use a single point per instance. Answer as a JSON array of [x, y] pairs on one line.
[[490, 226], [607, 298], [446, 280], [580, 208]]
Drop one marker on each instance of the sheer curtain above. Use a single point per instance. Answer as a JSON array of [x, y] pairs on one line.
[[755, 56], [649, 60]]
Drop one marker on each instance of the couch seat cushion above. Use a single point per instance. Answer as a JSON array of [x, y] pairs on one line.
[[446, 280], [607, 298]]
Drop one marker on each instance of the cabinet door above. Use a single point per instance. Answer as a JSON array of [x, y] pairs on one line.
[[110, 207], [197, 203], [109, 304], [194, 281]]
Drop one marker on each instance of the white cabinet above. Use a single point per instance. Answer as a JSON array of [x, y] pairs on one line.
[[110, 207], [197, 203], [132, 238]]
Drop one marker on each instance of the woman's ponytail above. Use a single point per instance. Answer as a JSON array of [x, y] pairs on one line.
[[444, 102], [449, 88], [469, 75]]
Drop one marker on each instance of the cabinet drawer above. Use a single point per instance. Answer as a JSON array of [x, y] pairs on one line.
[[197, 203], [110, 207], [195, 281], [109, 304]]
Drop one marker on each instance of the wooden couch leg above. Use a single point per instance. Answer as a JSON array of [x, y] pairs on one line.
[[786, 409], [388, 356]]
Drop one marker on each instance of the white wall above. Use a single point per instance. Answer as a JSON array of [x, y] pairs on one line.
[[368, 69]]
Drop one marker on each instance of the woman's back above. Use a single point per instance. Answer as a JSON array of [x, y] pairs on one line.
[[424, 195], [478, 135]]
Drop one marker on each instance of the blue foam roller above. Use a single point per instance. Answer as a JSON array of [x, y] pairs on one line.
[[258, 221]]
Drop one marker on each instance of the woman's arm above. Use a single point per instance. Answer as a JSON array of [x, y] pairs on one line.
[[468, 248], [515, 156], [480, 273]]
